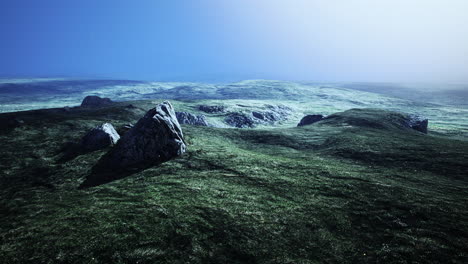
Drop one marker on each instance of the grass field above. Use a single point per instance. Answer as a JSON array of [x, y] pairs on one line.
[[357, 189]]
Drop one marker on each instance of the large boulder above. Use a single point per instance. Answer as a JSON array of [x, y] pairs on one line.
[[191, 119], [100, 137], [95, 101], [310, 119], [417, 123], [157, 137]]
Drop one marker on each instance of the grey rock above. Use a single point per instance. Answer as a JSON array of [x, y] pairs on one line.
[[259, 115], [239, 120], [95, 101], [191, 119], [274, 113], [279, 109], [100, 137], [157, 137], [310, 119], [267, 116], [417, 123], [271, 115], [212, 109]]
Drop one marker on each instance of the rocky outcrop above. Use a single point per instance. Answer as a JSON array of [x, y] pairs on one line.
[[212, 109], [239, 120], [310, 119], [157, 137], [274, 113], [191, 119], [95, 101], [100, 137], [417, 123], [271, 115]]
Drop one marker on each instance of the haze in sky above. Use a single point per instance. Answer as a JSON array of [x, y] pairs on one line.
[[223, 40]]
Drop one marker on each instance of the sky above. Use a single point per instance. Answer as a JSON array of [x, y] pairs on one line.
[[227, 40]]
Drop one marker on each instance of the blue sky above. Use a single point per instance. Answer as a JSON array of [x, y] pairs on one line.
[[224, 40]]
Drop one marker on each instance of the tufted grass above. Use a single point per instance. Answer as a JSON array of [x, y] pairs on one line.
[[326, 193]]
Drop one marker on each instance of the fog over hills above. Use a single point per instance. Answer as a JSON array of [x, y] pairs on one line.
[[445, 108]]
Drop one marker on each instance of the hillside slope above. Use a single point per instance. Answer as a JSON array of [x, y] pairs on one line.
[[342, 190]]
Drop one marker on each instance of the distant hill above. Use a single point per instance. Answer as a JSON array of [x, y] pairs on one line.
[[448, 94], [37, 94]]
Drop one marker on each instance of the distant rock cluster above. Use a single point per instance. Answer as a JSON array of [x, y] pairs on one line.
[[272, 114], [95, 101], [191, 119], [212, 109], [239, 120]]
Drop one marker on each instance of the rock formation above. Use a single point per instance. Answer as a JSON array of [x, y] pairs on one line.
[[274, 113], [100, 137], [191, 119], [310, 119], [156, 138], [212, 109], [95, 101], [239, 120]]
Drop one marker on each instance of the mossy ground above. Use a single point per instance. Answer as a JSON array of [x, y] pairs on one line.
[[328, 193]]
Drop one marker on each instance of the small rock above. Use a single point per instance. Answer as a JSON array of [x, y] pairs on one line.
[[100, 137], [310, 119], [95, 101]]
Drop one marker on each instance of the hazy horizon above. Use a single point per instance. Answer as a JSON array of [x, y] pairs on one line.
[[225, 41]]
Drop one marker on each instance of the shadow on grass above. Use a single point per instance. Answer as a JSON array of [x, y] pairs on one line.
[[102, 173], [98, 177]]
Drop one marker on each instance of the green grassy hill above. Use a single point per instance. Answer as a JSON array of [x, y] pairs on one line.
[[357, 188]]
